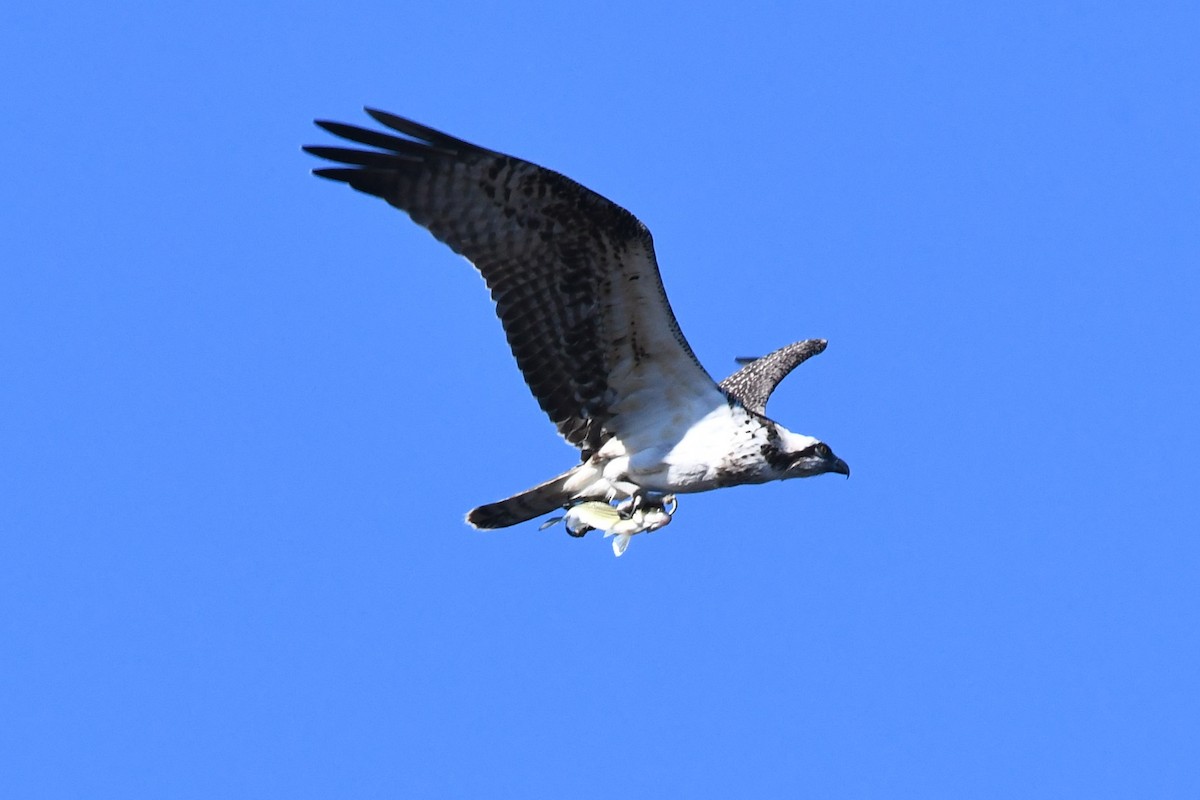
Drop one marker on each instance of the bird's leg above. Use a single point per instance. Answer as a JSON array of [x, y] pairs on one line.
[[648, 502], [640, 512], [671, 501], [629, 505], [622, 491]]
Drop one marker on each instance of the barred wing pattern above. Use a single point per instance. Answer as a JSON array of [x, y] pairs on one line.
[[573, 275], [752, 384]]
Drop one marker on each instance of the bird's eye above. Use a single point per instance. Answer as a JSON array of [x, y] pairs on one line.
[[823, 450]]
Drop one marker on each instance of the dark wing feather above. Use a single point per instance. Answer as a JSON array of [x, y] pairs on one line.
[[573, 275], [752, 384]]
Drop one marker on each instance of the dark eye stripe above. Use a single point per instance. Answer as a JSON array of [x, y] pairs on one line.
[[818, 450]]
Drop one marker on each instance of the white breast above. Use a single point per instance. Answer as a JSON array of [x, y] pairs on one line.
[[700, 454]]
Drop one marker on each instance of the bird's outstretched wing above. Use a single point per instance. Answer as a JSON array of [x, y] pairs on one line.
[[573, 275], [752, 384]]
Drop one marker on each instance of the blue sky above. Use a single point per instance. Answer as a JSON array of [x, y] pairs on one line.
[[244, 410]]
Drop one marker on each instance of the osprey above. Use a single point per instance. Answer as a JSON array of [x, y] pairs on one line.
[[577, 289]]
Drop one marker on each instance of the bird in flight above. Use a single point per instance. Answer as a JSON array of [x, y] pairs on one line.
[[578, 292]]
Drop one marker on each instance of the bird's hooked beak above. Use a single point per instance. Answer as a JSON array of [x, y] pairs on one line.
[[840, 467]]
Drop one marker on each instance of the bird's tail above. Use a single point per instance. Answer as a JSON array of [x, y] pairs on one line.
[[541, 499]]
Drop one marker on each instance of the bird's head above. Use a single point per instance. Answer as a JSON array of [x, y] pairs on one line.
[[804, 456]]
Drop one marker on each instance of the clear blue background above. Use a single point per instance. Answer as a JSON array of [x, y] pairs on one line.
[[244, 410]]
